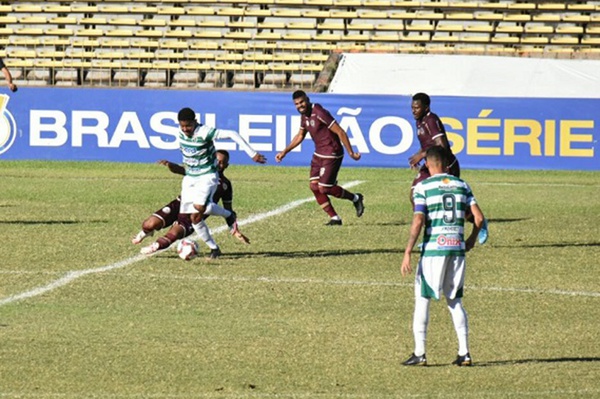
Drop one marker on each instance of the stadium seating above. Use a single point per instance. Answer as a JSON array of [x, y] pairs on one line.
[[270, 44]]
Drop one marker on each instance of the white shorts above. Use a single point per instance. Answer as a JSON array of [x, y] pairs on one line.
[[197, 190], [440, 273]]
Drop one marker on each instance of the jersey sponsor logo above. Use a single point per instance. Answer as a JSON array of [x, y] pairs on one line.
[[448, 241], [8, 126]]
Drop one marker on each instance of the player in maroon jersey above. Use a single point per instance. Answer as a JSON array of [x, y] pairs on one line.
[[330, 140], [431, 132], [181, 225]]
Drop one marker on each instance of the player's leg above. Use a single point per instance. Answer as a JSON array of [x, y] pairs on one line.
[[230, 218], [196, 194], [322, 199], [453, 289], [328, 184], [420, 321], [160, 219], [178, 230]]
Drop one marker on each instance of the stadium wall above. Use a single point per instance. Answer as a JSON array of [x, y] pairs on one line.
[[139, 125]]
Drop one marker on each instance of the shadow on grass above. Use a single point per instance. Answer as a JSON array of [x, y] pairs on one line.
[[552, 245], [528, 361], [50, 222], [292, 254], [313, 254]]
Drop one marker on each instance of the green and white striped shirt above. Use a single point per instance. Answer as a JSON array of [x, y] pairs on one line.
[[199, 152], [443, 199]]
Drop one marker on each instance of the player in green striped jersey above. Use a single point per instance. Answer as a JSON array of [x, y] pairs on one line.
[[197, 145], [440, 205]]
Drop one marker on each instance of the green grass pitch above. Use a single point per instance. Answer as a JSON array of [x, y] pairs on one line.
[[305, 311]]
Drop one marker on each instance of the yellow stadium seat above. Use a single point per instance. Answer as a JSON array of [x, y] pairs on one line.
[[534, 40], [569, 40], [201, 11], [551, 6], [60, 32], [27, 8], [58, 9], [181, 34], [8, 19], [29, 31], [93, 21], [170, 11], [267, 36], [66, 20]]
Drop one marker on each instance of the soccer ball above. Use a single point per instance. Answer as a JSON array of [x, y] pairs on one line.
[[187, 249]]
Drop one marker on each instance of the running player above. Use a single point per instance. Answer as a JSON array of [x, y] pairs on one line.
[[330, 140]]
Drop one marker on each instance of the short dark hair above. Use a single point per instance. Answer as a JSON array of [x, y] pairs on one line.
[[186, 114], [423, 98], [224, 152], [437, 153], [298, 94]]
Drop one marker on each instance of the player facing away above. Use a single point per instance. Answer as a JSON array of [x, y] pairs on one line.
[[197, 145], [431, 132], [330, 140], [168, 215], [440, 205]]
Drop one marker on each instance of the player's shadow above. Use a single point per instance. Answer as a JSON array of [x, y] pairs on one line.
[[497, 363], [553, 245], [50, 222], [313, 254]]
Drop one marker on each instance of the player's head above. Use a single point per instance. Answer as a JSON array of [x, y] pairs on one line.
[[436, 158], [302, 102], [222, 160], [187, 121], [420, 105]]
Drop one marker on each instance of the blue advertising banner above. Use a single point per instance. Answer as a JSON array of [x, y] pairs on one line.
[[139, 125]]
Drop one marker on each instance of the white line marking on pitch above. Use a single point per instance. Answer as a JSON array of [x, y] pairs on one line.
[[364, 283], [74, 275]]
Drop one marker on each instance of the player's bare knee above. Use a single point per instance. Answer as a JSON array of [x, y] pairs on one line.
[[152, 223], [196, 218]]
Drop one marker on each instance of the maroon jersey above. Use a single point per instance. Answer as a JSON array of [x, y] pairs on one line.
[[327, 143], [429, 128], [224, 190]]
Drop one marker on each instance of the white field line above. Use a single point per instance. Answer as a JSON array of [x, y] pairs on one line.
[[362, 283], [74, 275]]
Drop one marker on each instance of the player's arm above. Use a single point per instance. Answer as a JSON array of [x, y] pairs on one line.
[[173, 167], [415, 231], [417, 157], [298, 138], [477, 224], [244, 145], [341, 133]]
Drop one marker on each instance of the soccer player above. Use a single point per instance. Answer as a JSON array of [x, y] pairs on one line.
[[330, 140], [168, 214], [196, 142], [441, 202], [431, 132]]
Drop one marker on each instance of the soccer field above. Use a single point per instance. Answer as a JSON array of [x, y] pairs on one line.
[[305, 310]]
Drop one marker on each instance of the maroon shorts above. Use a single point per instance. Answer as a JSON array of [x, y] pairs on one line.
[[325, 170], [168, 213]]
